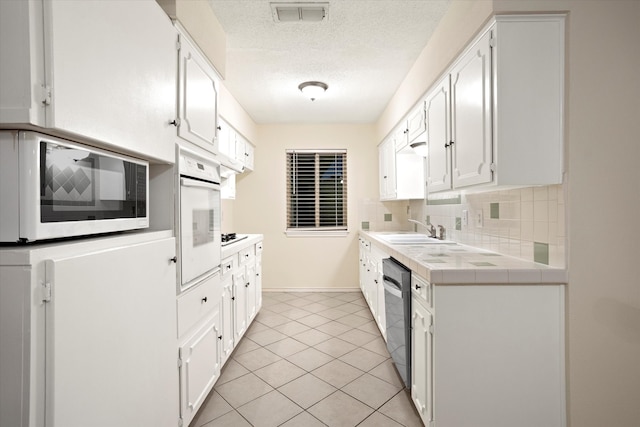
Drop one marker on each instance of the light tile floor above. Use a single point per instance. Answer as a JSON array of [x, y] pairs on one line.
[[310, 359]]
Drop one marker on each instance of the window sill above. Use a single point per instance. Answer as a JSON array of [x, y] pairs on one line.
[[316, 233]]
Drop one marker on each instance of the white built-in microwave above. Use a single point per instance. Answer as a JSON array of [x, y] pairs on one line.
[[53, 188]]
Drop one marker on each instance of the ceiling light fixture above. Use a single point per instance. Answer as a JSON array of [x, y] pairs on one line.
[[313, 89], [420, 148]]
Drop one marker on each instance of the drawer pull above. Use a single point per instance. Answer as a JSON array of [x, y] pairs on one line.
[[220, 337], [174, 259], [204, 299], [418, 287]]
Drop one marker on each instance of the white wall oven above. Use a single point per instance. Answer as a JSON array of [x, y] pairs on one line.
[[198, 217], [53, 188]]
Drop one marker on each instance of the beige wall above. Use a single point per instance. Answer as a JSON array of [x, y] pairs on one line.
[[459, 25], [299, 262]]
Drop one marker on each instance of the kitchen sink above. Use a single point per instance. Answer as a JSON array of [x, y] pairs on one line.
[[412, 239]]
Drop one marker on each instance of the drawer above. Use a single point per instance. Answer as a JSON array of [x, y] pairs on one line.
[[258, 248], [246, 255], [227, 266], [198, 302], [422, 289]]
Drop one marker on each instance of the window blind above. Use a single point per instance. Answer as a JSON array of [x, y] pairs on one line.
[[316, 190]]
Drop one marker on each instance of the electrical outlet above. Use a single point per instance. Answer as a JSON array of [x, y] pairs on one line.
[[465, 218], [479, 219]]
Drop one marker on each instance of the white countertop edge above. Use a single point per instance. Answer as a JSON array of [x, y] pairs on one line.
[[532, 273]]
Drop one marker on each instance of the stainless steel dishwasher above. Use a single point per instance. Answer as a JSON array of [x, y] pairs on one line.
[[397, 307]]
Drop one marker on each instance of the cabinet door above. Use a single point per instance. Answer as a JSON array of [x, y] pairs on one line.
[[471, 116], [250, 279], [112, 81], [111, 337], [241, 149], [421, 361], [240, 306], [249, 151], [226, 316], [372, 286], [197, 97], [258, 278], [381, 316], [387, 169], [200, 367], [226, 139], [362, 265], [415, 123], [438, 118]]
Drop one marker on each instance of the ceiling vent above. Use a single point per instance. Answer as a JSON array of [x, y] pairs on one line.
[[300, 12]]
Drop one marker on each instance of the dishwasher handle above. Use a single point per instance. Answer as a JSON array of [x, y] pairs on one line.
[[392, 286]]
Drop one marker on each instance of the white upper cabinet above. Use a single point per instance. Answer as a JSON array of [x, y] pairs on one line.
[[528, 59], [471, 115], [496, 118], [387, 169], [410, 128], [438, 118], [401, 169], [416, 123], [249, 155], [226, 139], [76, 68], [197, 96]]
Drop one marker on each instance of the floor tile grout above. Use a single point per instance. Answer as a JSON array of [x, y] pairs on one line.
[[365, 386]]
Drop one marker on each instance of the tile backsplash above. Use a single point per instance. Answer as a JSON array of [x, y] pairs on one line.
[[527, 223]]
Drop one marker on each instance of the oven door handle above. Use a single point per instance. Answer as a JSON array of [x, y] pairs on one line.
[[391, 286], [186, 182]]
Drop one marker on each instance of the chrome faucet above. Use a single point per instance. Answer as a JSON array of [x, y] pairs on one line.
[[430, 228], [441, 232]]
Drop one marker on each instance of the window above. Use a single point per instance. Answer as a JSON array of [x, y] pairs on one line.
[[316, 191]]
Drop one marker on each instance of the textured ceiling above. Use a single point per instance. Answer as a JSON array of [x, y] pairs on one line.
[[362, 51]]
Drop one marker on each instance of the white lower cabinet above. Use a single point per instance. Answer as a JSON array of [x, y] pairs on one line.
[[200, 358], [226, 309], [212, 318], [422, 351], [89, 333], [199, 343], [371, 282], [488, 355], [239, 306], [241, 293]]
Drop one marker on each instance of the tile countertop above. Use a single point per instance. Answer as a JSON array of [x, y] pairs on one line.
[[241, 244], [444, 264]]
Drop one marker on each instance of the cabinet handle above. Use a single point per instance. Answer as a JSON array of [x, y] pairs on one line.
[[174, 122], [204, 299], [174, 259], [219, 127], [220, 337], [446, 145], [417, 287], [375, 280]]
